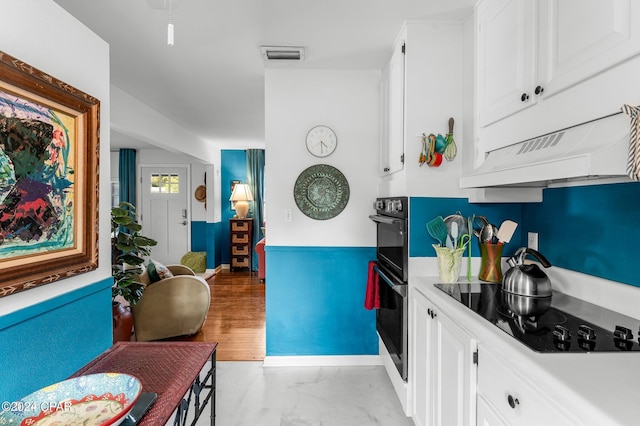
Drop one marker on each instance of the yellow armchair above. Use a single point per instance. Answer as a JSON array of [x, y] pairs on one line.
[[174, 306]]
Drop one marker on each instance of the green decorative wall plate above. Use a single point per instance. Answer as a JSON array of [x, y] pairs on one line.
[[321, 192]]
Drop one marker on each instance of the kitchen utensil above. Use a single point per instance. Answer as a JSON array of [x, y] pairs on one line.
[[506, 230], [526, 305], [438, 230], [441, 143], [434, 159], [476, 230], [451, 149], [464, 240], [470, 227], [423, 152], [454, 234], [460, 220], [527, 280], [487, 233]]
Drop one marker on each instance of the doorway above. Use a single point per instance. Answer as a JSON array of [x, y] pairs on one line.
[[165, 213]]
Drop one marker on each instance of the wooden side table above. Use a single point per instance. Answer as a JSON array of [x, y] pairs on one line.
[[241, 244], [170, 369]]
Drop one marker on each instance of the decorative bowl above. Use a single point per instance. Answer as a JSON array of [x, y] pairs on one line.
[[95, 399]]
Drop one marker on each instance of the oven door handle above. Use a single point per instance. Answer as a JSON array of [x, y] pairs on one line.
[[385, 219], [401, 289]]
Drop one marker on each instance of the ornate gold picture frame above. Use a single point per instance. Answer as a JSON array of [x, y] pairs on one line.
[[49, 178]]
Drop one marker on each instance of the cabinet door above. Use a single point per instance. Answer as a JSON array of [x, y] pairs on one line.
[[486, 415], [581, 38], [423, 339], [455, 387], [518, 400], [506, 34], [392, 144]]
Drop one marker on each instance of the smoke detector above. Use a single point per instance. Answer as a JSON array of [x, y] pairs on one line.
[[283, 53]]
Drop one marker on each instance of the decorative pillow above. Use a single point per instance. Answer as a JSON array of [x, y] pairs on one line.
[[196, 260], [157, 271]]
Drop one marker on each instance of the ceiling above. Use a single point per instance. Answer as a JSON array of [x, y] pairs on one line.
[[211, 81]]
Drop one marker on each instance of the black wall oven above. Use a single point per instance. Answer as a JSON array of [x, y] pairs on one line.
[[392, 256]]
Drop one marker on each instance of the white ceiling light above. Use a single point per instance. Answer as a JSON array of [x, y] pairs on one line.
[[170, 26], [283, 53], [169, 5]]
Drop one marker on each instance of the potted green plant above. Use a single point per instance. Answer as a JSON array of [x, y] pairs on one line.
[[128, 249]]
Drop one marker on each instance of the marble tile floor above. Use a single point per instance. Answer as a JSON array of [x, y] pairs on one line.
[[250, 395]]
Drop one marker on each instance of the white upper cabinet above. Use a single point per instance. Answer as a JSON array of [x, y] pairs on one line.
[[392, 108], [582, 38], [506, 37], [531, 50]]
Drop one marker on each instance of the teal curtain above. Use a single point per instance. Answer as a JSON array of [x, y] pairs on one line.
[[255, 180], [127, 175]]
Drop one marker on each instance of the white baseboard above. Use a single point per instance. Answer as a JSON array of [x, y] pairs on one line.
[[322, 361]]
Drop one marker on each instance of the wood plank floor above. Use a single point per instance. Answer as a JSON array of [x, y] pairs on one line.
[[236, 318]]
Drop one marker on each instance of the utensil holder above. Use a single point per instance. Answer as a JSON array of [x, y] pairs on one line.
[[449, 262], [491, 265]]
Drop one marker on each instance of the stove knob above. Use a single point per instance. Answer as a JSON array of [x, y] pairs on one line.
[[378, 205], [586, 333], [397, 205], [562, 345], [622, 333], [587, 345], [561, 333], [623, 345]]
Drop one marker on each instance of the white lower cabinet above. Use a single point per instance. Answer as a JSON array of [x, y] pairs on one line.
[[487, 416], [505, 398], [443, 369]]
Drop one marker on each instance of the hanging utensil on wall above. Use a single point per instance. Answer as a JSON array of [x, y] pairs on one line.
[[423, 152], [434, 159], [451, 150]]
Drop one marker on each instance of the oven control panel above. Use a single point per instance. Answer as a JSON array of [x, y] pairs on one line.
[[392, 206]]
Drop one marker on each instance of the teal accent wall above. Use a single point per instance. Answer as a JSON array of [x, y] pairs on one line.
[[46, 343], [590, 229], [315, 301], [205, 238], [214, 243], [199, 236], [233, 167]]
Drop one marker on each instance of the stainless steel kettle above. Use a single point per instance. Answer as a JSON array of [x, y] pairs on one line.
[[526, 280]]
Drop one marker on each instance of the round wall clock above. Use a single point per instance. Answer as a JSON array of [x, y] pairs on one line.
[[321, 141], [321, 192]]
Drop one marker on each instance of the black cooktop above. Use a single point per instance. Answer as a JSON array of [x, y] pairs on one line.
[[560, 323]]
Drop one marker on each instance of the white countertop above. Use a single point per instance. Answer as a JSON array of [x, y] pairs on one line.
[[595, 388]]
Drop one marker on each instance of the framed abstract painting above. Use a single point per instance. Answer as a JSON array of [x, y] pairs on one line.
[[49, 158]]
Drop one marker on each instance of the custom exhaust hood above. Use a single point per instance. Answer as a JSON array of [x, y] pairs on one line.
[[593, 150]]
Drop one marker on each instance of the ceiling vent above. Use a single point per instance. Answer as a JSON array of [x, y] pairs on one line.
[[283, 53]]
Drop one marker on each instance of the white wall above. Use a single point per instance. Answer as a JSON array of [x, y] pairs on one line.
[[42, 34], [346, 101]]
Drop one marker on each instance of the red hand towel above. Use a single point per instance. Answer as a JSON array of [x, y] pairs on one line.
[[372, 296]]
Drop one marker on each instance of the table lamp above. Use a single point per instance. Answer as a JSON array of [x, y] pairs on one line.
[[241, 195]]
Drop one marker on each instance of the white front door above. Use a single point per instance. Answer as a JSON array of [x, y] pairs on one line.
[[165, 213]]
